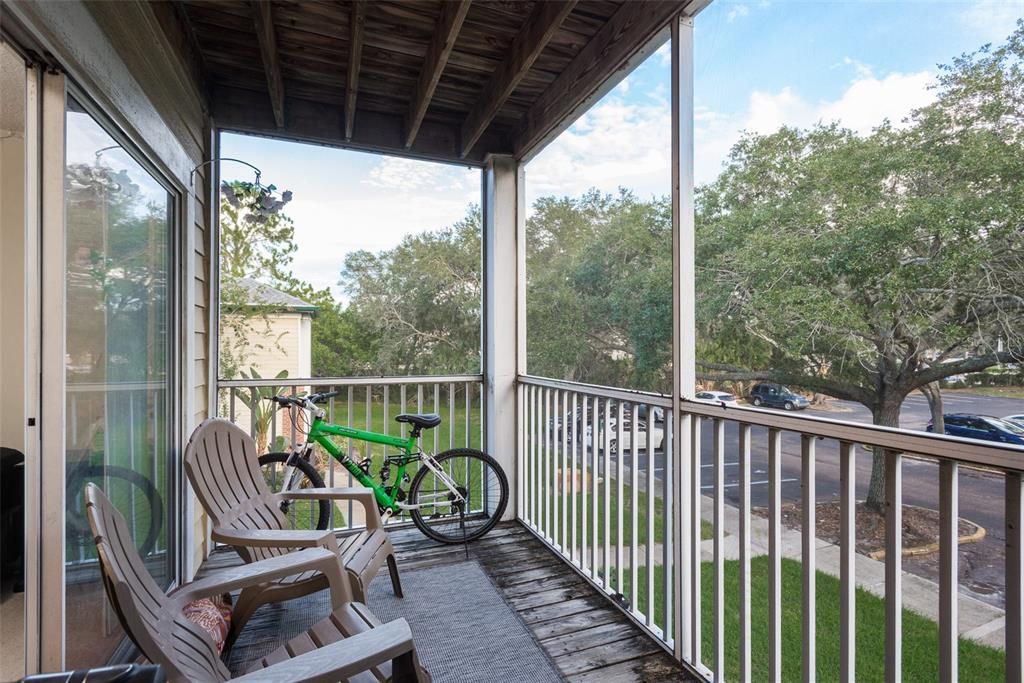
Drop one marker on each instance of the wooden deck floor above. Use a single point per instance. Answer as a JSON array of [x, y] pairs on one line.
[[584, 634]]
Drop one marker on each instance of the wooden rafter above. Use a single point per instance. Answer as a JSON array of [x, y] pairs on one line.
[[539, 28], [355, 54], [263, 17], [447, 30], [591, 73]]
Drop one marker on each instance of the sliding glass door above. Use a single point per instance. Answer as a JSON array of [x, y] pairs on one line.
[[119, 333]]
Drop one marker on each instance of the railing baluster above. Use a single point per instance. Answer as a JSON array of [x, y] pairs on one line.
[[635, 515], [808, 528], [774, 554], [620, 456], [562, 421], [401, 409], [348, 421], [451, 415], [553, 489], [719, 560], [606, 541], [744, 465], [847, 550], [545, 484], [669, 567], [696, 614], [437, 411], [586, 437], [531, 461], [574, 426], [650, 524], [469, 416], [595, 476], [893, 567], [949, 534], [1014, 577]]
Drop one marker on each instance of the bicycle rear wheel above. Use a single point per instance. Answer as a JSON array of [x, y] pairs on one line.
[[130, 491], [480, 480], [314, 514]]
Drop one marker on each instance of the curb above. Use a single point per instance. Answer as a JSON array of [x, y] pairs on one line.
[[929, 548]]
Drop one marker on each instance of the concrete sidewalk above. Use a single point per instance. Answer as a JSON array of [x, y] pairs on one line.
[[979, 621]]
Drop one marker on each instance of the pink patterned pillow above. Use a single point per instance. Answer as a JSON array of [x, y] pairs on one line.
[[213, 615]]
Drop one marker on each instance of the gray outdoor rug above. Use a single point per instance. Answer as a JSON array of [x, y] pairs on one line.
[[464, 630]]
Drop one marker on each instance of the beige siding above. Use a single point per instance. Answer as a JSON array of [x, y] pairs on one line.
[[282, 341], [151, 41]]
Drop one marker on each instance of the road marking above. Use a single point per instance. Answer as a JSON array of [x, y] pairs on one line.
[[753, 483], [727, 464]]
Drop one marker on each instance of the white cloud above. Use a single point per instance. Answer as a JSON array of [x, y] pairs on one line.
[[863, 105], [328, 230], [737, 11], [411, 175], [618, 143], [992, 20]]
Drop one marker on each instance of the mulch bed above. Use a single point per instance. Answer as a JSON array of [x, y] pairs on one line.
[[920, 525]]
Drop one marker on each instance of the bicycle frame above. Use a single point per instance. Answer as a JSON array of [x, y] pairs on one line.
[[321, 431]]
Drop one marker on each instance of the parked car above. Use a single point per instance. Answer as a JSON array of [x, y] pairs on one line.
[[1016, 419], [623, 439], [717, 396], [776, 396], [982, 427]]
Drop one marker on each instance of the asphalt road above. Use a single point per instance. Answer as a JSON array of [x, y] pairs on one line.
[[981, 493]]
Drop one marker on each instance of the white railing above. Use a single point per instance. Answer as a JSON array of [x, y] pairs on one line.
[[368, 403], [590, 488], [113, 428], [593, 520]]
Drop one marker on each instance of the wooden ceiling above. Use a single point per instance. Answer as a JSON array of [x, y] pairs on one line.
[[448, 80]]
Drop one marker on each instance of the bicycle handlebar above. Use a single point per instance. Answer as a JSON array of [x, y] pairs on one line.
[[302, 401]]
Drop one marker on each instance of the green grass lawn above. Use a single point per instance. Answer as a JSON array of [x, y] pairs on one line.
[[920, 635], [1002, 392]]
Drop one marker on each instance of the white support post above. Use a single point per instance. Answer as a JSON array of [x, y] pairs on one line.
[[501, 348], [52, 415], [683, 328]]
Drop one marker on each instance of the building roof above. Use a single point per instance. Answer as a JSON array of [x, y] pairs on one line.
[[259, 295]]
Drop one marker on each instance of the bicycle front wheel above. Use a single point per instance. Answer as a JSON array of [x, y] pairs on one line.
[[478, 478], [306, 514]]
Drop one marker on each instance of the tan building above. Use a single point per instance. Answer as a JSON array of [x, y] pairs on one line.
[[276, 333]]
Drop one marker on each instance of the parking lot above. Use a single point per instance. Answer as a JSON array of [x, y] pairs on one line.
[[981, 493]]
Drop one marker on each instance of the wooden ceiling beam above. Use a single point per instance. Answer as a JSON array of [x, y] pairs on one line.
[[622, 43], [248, 111], [263, 17], [441, 44], [355, 54], [531, 40]]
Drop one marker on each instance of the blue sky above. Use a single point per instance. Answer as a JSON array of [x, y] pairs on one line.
[[758, 65]]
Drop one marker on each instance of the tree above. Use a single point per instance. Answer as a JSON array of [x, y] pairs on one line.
[[598, 308], [420, 301], [257, 242], [871, 267], [341, 346]]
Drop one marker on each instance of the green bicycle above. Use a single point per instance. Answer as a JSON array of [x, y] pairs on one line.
[[454, 497]]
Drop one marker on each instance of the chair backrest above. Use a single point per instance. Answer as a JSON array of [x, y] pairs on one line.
[[223, 466], [149, 617]]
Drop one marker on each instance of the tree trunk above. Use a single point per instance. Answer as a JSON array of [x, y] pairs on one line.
[[886, 415], [934, 396]]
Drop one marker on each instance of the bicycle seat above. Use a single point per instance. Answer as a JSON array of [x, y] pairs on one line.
[[425, 421]]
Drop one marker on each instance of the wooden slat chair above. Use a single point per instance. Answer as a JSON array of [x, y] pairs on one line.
[[222, 464], [350, 644]]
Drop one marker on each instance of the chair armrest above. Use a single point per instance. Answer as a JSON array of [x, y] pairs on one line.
[[264, 571], [343, 659], [360, 494], [276, 538]]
